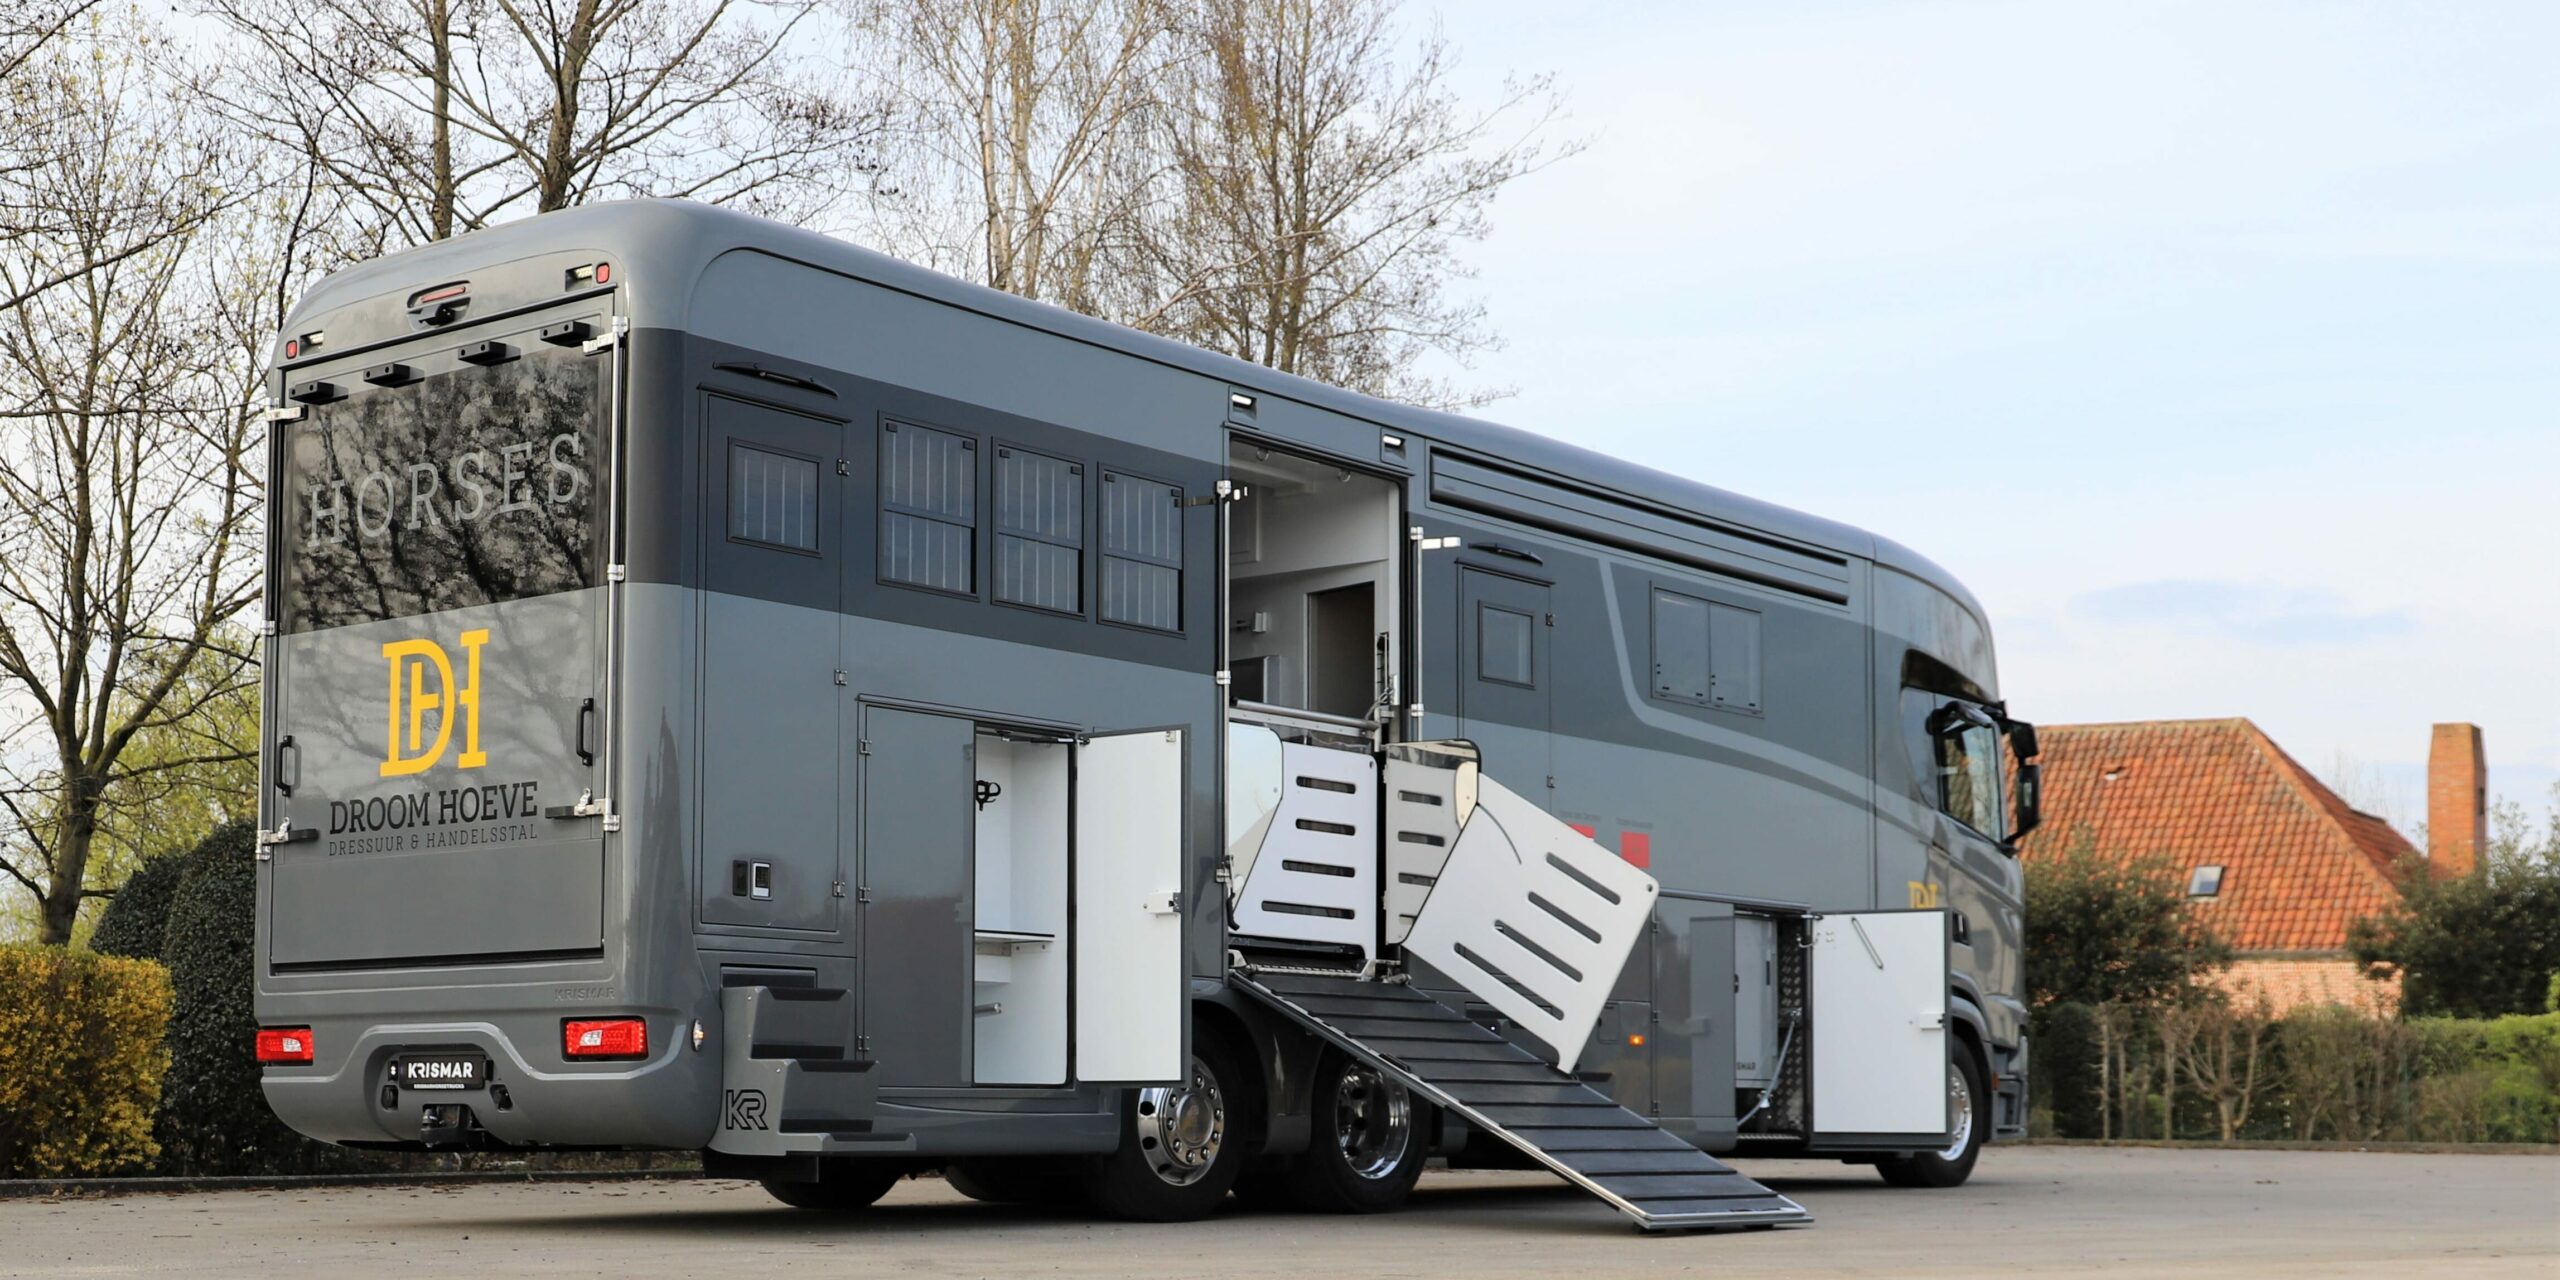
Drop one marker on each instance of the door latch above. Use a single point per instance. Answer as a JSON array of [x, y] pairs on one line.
[[1164, 904]]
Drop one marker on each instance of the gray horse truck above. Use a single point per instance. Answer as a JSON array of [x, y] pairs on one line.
[[729, 691]]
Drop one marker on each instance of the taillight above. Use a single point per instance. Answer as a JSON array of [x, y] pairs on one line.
[[286, 1046], [605, 1038]]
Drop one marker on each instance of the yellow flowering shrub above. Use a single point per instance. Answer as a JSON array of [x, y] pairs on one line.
[[81, 1061]]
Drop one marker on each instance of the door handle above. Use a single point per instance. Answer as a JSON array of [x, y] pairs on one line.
[[586, 728], [284, 744]]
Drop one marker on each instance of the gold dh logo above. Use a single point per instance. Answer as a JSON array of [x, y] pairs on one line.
[[413, 664]]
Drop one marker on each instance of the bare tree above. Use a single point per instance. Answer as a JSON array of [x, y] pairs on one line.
[[1027, 137], [34, 36], [1328, 176], [129, 476], [442, 116], [2220, 1042]]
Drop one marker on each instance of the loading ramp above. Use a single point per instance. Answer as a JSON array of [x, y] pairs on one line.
[[1656, 1179]]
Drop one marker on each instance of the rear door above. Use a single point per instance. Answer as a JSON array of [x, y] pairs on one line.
[[1130, 988], [440, 609]]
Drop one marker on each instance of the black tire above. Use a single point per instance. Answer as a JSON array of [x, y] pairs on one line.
[[1021, 1180], [1949, 1168], [1263, 1187], [1367, 1142], [843, 1186], [1180, 1149]]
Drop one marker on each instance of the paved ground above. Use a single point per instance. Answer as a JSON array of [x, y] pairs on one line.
[[2028, 1211]]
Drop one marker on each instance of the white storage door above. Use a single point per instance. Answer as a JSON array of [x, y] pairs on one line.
[[1129, 979], [1880, 1023]]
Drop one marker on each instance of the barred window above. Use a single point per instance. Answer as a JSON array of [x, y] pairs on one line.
[[928, 508], [1141, 552], [773, 498], [1039, 531]]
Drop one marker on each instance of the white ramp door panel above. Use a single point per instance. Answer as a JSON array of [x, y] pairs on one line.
[[1880, 1023], [1128, 908], [1533, 918], [1315, 876]]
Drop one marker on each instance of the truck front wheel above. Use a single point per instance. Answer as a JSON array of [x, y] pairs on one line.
[[1949, 1168], [1179, 1150]]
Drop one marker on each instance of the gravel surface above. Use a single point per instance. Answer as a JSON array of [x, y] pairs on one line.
[[2028, 1211]]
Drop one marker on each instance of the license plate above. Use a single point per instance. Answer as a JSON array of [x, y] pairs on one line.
[[443, 1071]]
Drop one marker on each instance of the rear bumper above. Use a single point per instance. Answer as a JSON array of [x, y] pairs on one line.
[[668, 1100]]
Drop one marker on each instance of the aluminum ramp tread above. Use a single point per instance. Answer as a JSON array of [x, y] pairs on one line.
[[1658, 1180]]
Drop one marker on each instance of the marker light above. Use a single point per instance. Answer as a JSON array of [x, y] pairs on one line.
[[288, 1046], [604, 1038]]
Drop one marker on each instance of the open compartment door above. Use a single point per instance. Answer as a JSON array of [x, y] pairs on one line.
[[1879, 1027], [1129, 981]]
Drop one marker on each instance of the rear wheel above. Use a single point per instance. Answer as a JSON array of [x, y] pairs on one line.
[[1179, 1152], [1369, 1142], [1949, 1168], [842, 1187], [1014, 1181]]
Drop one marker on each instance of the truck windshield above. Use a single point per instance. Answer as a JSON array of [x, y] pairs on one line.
[[466, 487]]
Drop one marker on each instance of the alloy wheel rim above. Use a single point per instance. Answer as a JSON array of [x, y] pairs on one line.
[[1180, 1130], [1960, 1096], [1373, 1122]]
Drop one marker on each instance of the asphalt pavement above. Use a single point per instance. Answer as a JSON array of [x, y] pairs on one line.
[[2029, 1211]]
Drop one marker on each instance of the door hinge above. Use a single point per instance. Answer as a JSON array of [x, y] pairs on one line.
[[862, 1045], [861, 893], [862, 746], [282, 413], [617, 573], [607, 340], [844, 467], [840, 680], [839, 888], [1551, 619]]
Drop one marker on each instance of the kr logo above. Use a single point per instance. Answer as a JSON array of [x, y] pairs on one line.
[[416, 665]]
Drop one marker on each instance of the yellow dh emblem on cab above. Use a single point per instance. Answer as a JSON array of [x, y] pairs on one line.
[[406, 748]]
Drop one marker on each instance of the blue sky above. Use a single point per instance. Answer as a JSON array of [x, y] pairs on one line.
[[2215, 345]]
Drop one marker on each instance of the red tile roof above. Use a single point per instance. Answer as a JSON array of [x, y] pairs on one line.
[[2298, 862]]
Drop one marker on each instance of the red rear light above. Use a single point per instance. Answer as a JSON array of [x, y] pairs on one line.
[[604, 273], [605, 1038], [284, 1045]]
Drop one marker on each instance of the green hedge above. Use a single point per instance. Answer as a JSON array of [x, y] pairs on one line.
[[80, 1061], [197, 913], [2326, 1073]]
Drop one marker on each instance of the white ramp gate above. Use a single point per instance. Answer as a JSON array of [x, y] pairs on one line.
[[1312, 873], [1880, 1024], [1534, 918]]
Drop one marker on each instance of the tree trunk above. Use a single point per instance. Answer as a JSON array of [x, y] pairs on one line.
[[78, 837]]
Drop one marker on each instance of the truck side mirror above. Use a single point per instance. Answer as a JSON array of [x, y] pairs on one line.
[[2030, 802]]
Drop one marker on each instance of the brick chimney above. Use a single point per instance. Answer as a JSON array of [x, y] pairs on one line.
[[2457, 799]]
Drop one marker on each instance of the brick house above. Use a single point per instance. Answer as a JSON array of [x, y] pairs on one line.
[[2274, 860]]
